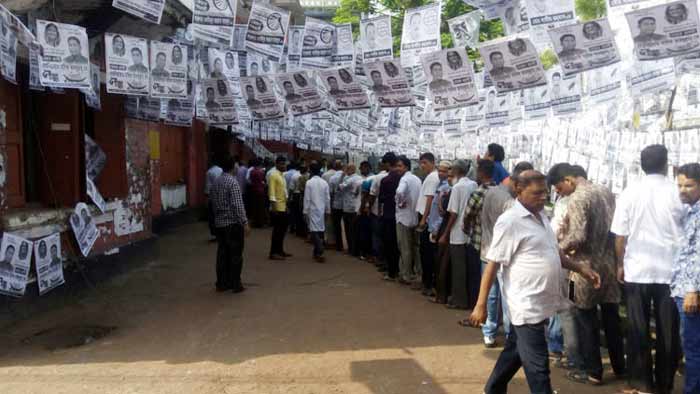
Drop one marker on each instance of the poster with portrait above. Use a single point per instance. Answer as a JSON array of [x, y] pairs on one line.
[[319, 43], [23, 34], [64, 62], [474, 115], [267, 28], [84, 228], [452, 121], [421, 33], [584, 46], [95, 195], [514, 17], [513, 65], [148, 10], [8, 52], [294, 43], [34, 77], [222, 64], [213, 21], [259, 65], [49, 263], [218, 101], [650, 77], [92, 94], [389, 83], [260, 98], [344, 89], [665, 30], [15, 262], [536, 102], [490, 8], [465, 29], [450, 79], [345, 50], [604, 84], [545, 15], [127, 65], [300, 93], [564, 92], [497, 108], [179, 112], [168, 70], [143, 108], [375, 35]]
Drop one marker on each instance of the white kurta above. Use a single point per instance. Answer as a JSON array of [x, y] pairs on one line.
[[317, 203]]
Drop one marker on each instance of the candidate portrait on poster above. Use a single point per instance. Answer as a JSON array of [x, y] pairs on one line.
[[49, 263], [497, 111], [260, 98], [536, 102], [300, 93], [450, 79], [344, 89], [421, 33], [127, 65], [375, 35], [294, 40], [389, 83], [584, 46], [64, 62], [513, 65], [84, 228], [345, 50], [665, 30], [15, 262], [8, 52], [168, 70], [565, 92], [219, 102], [318, 43], [267, 29], [465, 29]]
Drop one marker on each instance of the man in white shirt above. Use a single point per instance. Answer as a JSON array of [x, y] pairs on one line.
[[525, 248], [212, 175], [647, 225], [337, 207], [317, 203], [291, 176], [406, 220], [425, 201], [457, 239], [350, 190], [330, 231]]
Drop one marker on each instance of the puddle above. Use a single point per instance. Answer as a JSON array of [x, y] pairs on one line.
[[57, 338]]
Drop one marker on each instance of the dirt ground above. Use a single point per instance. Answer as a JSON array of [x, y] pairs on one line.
[[301, 327]]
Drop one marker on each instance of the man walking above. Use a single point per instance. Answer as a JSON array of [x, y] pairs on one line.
[[231, 226], [317, 203], [407, 219], [424, 208], [277, 194]]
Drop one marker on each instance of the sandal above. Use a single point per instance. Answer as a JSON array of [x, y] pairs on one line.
[[465, 323], [583, 377]]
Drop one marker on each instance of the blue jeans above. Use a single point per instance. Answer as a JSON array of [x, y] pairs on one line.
[[690, 328], [555, 340], [490, 328]]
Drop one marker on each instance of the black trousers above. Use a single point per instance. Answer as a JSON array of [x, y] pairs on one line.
[[300, 228], [350, 226], [363, 235], [391, 246], [279, 221], [317, 239], [644, 373], [473, 276], [210, 218], [428, 252], [526, 347], [337, 218], [229, 256], [588, 330]]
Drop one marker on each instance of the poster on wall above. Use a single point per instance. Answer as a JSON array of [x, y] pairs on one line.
[[15, 262], [143, 108], [545, 15], [465, 29], [318, 43], [267, 28], [584, 46], [513, 65], [127, 64], [300, 93], [64, 62], [344, 89], [260, 98], [8, 52], [294, 48], [259, 65], [179, 112], [49, 265], [375, 34], [223, 64], [514, 17], [218, 100], [95, 195], [564, 92], [666, 30], [148, 10], [388, 82], [421, 33], [92, 95], [450, 79], [168, 70], [84, 228], [345, 50], [213, 21], [95, 158]]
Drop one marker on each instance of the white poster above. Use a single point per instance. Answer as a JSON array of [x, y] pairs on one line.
[[294, 48], [450, 79], [23, 33], [474, 115], [345, 50], [168, 70], [613, 4], [49, 265], [318, 43], [64, 63], [34, 73], [8, 52], [223, 64], [584, 46], [218, 100], [666, 30], [545, 15], [465, 29], [564, 92], [15, 261], [126, 221], [514, 17], [497, 108], [650, 77], [95, 195], [375, 34], [536, 102], [421, 33], [84, 228], [259, 65], [604, 84], [260, 98], [452, 121], [389, 83], [127, 64], [300, 93], [513, 65], [213, 21], [267, 28], [92, 95], [179, 112], [143, 108], [490, 8], [148, 10], [688, 64], [344, 89], [95, 158]]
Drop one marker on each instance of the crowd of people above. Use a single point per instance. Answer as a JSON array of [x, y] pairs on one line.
[[471, 236]]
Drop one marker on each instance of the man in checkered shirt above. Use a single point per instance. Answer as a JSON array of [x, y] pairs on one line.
[[231, 227]]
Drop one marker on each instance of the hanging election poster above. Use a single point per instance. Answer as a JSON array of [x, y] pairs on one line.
[[514, 17], [143, 108], [465, 29], [260, 98], [584, 46], [8, 53], [318, 43], [513, 65], [92, 94], [474, 114], [604, 84], [294, 48], [564, 92], [545, 15], [344, 90], [179, 112], [259, 65], [64, 62], [421, 33], [666, 30], [95, 158], [168, 70], [650, 77], [16, 254], [344, 50], [84, 228], [218, 101], [222, 64], [213, 21], [375, 34], [267, 27], [613, 4], [239, 33], [23, 34], [49, 265], [300, 93], [688, 64], [127, 65], [389, 83], [490, 8], [95, 195], [148, 10], [536, 102], [450, 79], [452, 121], [497, 108], [34, 78]]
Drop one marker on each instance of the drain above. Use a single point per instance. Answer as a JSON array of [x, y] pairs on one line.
[[57, 338]]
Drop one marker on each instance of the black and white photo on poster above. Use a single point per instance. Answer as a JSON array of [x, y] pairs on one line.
[[24, 35], [168, 70], [490, 8], [239, 102], [465, 29], [344, 51], [223, 64], [474, 115], [267, 29], [584, 46], [421, 33], [179, 112], [389, 83], [148, 10], [497, 108], [259, 65], [536, 102], [95, 195], [428, 121], [513, 64], [95, 158], [15, 262], [650, 77], [564, 92], [260, 98], [218, 100], [49, 263], [344, 89], [92, 94], [34, 74], [375, 34], [319, 43], [64, 61], [545, 15], [452, 121], [8, 52], [127, 64], [294, 44], [514, 17], [84, 228], [213, 21], [665, 30], [450, 79], [604, 84], [143, 108]]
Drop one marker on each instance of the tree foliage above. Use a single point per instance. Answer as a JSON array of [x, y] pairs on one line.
[[548, 59], [590, 9]]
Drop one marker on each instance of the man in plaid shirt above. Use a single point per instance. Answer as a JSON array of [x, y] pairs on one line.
[[231, 227]]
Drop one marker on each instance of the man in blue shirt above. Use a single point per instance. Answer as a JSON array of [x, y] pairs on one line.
[[497, 154]]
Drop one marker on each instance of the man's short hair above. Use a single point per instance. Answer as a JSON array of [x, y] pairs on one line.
[[579, 171], [639, 22], [528, 177], [227, 164], [389, 158], [366, 163], [280, 159], [497, 152], [405, 160], [460, 167], [485, 167], [435, 64], [134, 49], [520, 168], [558, 172], [561, 39], [73, 38], [495, 53], [691, 171], [427, 156], [315, 168], [654, 159], [445, 163]]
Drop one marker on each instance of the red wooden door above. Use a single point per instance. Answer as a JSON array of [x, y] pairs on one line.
[[13, 144]]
